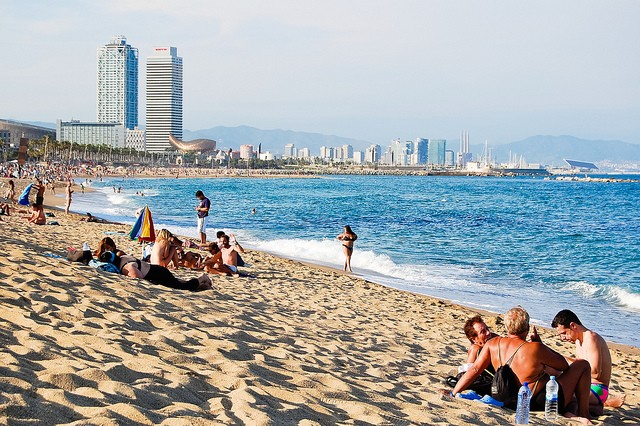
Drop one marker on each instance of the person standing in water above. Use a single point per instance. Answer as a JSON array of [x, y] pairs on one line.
[[348, 237]]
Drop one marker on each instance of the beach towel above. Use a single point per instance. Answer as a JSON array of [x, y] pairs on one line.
[[104, 266], [143, 228], [24, 197]]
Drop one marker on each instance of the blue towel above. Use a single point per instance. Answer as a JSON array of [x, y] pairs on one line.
[[24, 197]]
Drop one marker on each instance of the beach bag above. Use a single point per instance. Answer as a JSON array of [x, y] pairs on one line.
[[83, 256], [505, 384]]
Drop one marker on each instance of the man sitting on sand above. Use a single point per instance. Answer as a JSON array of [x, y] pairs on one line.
[[592, 347], [529, 360], [230, 253], [213, 263], [478, 334]]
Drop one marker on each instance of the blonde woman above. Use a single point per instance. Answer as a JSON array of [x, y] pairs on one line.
[[165, 250], [348, 237]]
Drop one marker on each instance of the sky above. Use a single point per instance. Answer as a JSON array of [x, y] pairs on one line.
[[372, 70]]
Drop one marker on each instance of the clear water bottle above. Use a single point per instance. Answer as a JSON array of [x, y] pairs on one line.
[[551, 401], [524, 404]]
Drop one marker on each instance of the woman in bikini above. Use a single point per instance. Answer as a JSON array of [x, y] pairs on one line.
[[136, 268], [348, 237]]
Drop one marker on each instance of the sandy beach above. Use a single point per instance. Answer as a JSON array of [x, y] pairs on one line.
[[294, 344]]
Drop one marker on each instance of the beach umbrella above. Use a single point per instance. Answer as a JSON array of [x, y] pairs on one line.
[[143, 228], [24, 197]]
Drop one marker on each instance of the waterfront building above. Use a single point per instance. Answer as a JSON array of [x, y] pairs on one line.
[[267, 156], [289, 151], [90, 133], [449, 158], [246, 152], [117, 81], [326, 152], [400, 153], [11, 132], [304, 153], [136, 139], [421, 150], [358, 157], [372, 154], [347, 152], [164, 98], [436, 152], [337, 153]]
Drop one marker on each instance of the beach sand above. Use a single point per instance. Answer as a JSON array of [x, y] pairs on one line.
[[295, 344]]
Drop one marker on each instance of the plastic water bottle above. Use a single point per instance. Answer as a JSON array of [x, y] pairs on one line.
[[524, 404], [551, 401]]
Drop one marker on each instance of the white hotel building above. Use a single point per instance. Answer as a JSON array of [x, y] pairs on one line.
[[164, 98]]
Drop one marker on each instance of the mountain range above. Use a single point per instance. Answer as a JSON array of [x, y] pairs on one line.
[[541, 149]]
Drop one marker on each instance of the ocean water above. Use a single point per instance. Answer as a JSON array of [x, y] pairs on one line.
[[490, 243]]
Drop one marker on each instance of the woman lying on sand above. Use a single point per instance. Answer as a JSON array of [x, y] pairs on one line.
[[136, 268]]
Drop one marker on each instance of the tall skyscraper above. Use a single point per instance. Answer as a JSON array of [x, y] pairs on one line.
[[164, 98], [117, 96], [436, 152]]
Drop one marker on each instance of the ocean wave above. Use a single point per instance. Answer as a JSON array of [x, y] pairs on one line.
[[612, 294]]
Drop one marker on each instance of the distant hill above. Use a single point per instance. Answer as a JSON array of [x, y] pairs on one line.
[[41, 124], [271, 140], [552, 150]]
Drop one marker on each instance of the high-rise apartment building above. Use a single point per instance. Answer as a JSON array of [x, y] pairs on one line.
[[436, 152], [117, 95], [164, 98]]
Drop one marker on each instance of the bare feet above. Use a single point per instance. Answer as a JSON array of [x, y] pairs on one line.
[[615, 401]]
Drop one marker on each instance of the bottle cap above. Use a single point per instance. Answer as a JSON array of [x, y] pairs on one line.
[[525, 383], [552, 377]]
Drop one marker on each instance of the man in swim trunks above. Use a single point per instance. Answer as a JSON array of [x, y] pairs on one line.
[[528, 361], [203, 213], [230, 253], [593, 348]]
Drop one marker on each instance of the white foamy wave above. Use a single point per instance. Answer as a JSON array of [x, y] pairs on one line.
[[612, 294]]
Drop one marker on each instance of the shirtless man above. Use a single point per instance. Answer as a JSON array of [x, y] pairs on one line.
[[40, 194], [230, 253], [592, 347], [529, 364], [68, 193], [478, 334]]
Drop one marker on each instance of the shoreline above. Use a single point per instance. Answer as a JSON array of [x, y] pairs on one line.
[[367, 276], [297, 343]]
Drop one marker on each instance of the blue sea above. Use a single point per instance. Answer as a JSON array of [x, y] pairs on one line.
[[483, 242]]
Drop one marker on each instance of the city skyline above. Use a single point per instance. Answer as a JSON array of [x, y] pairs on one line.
[[500, 71]]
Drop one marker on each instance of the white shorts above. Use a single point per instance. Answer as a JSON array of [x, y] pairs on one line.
[[202, 224]]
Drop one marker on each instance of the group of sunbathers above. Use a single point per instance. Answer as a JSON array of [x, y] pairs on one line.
[[583, 380], [168, 252]]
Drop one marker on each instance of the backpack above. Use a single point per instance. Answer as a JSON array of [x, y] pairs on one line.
[[505, 384]]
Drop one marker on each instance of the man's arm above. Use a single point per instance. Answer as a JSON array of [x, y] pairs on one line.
[[551, 358], [482, 362], [237, 245]]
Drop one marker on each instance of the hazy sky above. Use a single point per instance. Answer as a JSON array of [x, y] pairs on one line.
[[371, 70]]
